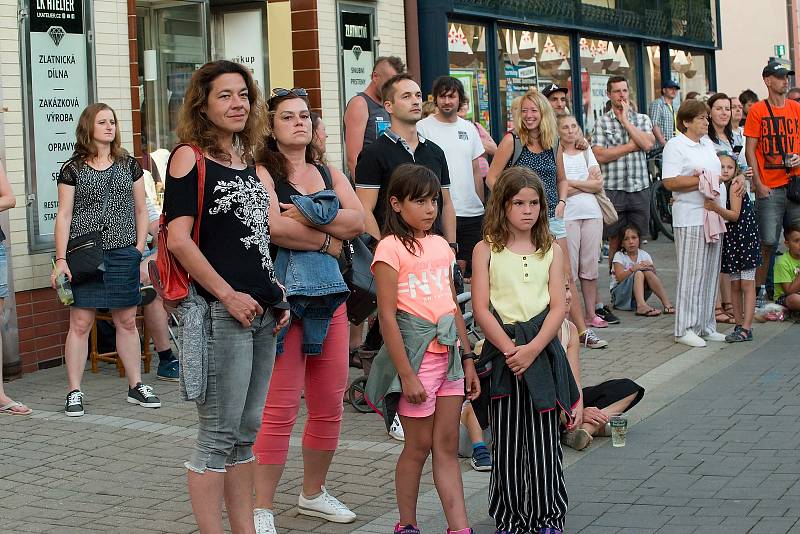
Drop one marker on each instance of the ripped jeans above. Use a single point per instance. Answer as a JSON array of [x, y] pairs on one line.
[[240, 364]]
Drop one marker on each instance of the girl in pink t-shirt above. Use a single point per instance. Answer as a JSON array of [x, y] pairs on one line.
[[413, 272]]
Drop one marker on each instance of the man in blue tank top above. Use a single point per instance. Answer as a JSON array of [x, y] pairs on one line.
[[365, 118]]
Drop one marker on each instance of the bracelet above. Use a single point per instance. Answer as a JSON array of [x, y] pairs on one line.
[[326, 244], [560, 200], [469, 356], [65, 259]]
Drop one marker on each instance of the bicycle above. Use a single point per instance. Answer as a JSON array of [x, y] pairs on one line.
[[660, 202]]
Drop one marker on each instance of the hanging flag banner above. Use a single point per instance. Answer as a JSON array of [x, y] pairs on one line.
[[59, 88]]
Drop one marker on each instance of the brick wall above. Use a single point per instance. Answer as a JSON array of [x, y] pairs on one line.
[[43, 323], [305, 49]]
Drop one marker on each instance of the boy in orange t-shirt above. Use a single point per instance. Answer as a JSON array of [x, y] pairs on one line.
[[773, 152]]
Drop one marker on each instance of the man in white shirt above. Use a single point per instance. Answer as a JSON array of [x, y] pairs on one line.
[[462, 147]]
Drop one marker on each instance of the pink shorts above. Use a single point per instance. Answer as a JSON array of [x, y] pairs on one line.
[[433, 375]]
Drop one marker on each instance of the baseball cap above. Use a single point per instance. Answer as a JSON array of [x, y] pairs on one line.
[[670, 84], [553, 88], [775, 68]]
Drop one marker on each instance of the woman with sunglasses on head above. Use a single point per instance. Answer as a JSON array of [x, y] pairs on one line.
[[234, 289], [314, 355]]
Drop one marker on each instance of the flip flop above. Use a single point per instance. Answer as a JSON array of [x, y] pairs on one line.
[[8, 409], [652, 312], [669, 310]]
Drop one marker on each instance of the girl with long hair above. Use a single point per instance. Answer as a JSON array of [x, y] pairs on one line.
[[235, 299], [418, 373], [536, 133], [100, 188], [314, 354], [531, 384]]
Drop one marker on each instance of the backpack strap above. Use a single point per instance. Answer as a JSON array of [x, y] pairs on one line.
[[517, 149]]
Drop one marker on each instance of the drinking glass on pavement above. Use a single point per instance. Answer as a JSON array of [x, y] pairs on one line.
[[619, 429]]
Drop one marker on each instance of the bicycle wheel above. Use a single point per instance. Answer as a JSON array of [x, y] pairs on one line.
[[661, 209], [356, 395]]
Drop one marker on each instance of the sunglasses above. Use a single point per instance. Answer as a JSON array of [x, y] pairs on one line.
[[296, 91]]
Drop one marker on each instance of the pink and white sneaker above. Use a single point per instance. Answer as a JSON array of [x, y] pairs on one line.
[[598, 322]]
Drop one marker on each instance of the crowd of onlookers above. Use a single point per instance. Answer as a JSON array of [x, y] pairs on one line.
[[261, 222]]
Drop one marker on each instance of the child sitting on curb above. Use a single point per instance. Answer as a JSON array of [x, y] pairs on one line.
[[787, 272]]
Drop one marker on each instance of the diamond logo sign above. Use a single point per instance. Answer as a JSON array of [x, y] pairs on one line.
[[56, 33], [357, 51]]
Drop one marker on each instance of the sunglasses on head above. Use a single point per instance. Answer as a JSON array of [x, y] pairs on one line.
[[296, 91]]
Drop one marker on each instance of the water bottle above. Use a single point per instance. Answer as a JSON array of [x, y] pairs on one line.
[[64, 289]]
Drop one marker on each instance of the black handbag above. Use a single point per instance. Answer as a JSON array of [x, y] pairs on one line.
[[355, 263], [85, 252], [793, 188]]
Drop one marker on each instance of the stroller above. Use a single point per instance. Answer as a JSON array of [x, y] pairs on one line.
[[372, 344]]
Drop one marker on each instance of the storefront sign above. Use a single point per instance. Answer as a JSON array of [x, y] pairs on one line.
[[358, 53], [466, 77], [59, 89], [243, 42]]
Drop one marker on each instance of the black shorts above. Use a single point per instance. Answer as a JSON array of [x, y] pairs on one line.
[[468, 234], [632, 209], [607, 393]]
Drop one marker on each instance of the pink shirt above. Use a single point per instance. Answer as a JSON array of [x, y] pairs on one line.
[[423, 280]]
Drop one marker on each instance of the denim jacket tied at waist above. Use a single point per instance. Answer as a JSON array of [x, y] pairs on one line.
[[383, 385], [312, 279]]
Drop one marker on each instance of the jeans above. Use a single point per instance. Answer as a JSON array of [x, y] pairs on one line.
[[240, 364], [3, 271], [773, 213]]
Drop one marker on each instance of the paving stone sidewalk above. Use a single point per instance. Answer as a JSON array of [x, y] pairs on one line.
[[119, 468], [721, 458]]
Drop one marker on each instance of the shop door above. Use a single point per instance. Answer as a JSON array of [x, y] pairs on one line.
[[173, 43]]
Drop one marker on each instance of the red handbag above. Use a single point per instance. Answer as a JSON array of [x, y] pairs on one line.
[[169, 278]]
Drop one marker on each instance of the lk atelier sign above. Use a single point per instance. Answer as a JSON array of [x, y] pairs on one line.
[[59, 90]]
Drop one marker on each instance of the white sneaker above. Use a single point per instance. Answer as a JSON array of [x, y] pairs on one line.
[[327, 507], [396, 430], [714, 336], [264, 520], [691, 339]]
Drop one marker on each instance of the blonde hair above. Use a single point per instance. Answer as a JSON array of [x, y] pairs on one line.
[[548, 131]]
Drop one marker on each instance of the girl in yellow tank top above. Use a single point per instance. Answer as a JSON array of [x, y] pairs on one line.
[[518, 272]]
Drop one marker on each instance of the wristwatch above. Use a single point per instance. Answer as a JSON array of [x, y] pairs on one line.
[[454, 246]]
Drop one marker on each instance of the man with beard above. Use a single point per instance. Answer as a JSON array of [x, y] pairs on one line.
[[463, 148]]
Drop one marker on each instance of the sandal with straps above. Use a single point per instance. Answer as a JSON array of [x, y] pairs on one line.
[[722, 316]]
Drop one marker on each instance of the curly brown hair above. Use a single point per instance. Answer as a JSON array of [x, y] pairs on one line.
[[195, 127], [495, 223], [85, 149], [268, 153]]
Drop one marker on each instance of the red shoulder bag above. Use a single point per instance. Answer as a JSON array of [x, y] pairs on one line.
[[169, 278]]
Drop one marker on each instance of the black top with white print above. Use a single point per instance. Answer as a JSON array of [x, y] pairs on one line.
[[119, 224], [234, 228]]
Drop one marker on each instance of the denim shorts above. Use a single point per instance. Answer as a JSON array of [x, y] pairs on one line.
[[557, 227], [3, 271], [773, 213], [239, 369]]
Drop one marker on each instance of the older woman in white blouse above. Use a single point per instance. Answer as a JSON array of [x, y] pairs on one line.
[[685, 157]]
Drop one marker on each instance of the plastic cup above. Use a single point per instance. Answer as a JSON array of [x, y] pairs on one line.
[[619, 429], [64, 290]]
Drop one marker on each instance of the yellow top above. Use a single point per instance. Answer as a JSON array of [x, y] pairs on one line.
[[518, 284]]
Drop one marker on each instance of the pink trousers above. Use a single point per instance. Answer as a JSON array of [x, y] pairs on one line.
[[323, 378]]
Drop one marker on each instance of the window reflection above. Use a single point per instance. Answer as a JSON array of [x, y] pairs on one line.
[[531, 59], [600, 60], [467, 53], [690, 70]]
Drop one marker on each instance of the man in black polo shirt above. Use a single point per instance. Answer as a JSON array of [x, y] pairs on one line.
[[401, 144]]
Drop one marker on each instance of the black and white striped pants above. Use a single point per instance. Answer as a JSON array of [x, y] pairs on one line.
[[698, 278], [527, 490]]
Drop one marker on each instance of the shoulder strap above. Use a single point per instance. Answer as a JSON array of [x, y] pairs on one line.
[[775, 125], [326, 175], [105, 201], [517, 149], [200, 160]]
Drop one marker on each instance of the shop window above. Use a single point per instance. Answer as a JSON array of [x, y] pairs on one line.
[[652, 72], [467, 57], [531, 59], [600, 60], [690, 70]]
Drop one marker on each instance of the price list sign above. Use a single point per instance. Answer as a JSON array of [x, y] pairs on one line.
[[59, 90]]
